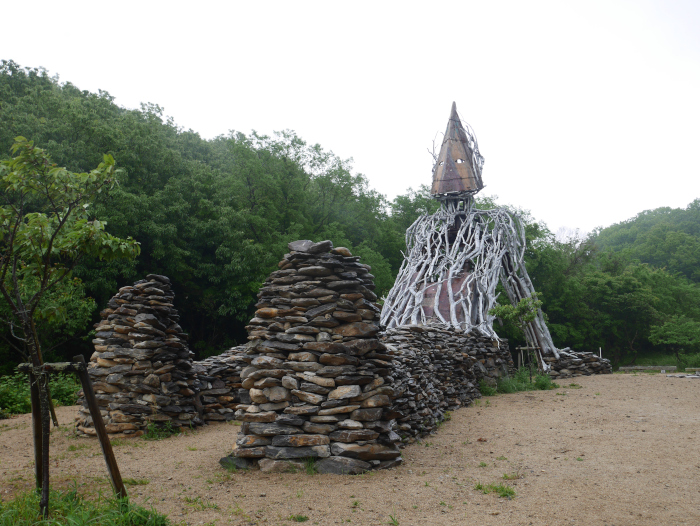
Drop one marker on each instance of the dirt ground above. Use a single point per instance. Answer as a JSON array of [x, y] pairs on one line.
[[618, 450]]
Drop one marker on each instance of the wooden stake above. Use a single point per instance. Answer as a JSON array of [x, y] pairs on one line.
[[111, 462], [36, 430]]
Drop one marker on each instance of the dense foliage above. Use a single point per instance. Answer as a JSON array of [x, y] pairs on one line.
[[216, 215]]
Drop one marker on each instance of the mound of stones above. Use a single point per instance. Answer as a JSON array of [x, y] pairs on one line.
[[573, 363], [436, 371], [141, 369], [319, 381]]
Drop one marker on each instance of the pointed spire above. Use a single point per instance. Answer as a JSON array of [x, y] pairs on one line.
[[458, 168]]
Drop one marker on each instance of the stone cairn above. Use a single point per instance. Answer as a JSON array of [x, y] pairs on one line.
[[436, 371], [319, 386], [141, 369]]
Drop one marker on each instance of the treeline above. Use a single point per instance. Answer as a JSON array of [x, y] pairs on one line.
[[216, 216]]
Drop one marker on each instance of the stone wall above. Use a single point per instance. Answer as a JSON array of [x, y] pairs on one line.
[[436, 371], [572, 363], [141, 369]]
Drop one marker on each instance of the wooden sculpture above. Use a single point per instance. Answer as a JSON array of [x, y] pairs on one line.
[[456, 256]]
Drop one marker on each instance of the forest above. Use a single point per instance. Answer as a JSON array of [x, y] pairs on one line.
[[216, 216]]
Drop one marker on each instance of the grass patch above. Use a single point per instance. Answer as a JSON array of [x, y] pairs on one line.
[[482, 464], [298, 518], [70, 508], [310, 466], [520, 382], [503, 490], [159, 432]]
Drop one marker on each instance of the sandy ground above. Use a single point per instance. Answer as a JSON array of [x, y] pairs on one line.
[[619, 450]]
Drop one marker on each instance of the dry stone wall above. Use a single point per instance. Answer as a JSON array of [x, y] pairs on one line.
[[436, 371], [318, 381], [572, 363], [141, 369]]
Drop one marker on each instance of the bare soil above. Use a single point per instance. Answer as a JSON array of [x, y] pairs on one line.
[[619, 450]]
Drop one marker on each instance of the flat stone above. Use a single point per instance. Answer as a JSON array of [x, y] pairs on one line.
[[357, 330], [345, 391], [314, 271], [321, 310], [267, 465], [353, 435], [367, 415], [338, 359], [302, 245], [338, 410], [302, 357], [275, 452], [267, 416], [273, 406], [267, 362], [350, 424], [342, 251], [300, 440], [376, 401], [301, 367], [275, 346], [250, 452], [336, 465], [252, 441], [271, 429], [290, 382], [318, 380], [302, 410], [325, 419], [313, 388], [258, 396], [314, 428], [366, 452], [346, 317], [277, 394], [310, 398], [328, 347]]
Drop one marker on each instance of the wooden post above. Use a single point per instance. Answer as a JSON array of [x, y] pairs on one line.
[[111, 462], [36, 430]]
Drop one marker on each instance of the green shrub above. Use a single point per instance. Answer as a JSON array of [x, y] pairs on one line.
[[69, 508], [16, 399], [486, 390]]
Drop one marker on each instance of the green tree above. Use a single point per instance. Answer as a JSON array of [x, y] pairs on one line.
[[45, 229]]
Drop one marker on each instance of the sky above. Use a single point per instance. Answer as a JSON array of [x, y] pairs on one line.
[[586, 112]]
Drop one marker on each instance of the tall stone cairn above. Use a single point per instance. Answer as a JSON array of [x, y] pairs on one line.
[[314, 389], [141, 369]]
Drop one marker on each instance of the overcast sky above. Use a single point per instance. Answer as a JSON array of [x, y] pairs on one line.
[[586, 112]]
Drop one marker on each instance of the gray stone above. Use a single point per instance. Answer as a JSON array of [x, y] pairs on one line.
[[335, 465], [275, 452]]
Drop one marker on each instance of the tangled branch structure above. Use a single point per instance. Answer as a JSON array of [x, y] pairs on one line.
[[456, 256]]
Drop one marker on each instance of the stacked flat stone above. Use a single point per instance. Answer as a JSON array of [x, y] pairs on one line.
[[317, 380], [218, 382], [572, 363], [436, 371], [141, 369]]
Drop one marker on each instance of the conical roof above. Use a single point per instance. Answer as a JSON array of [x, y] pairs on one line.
[[458, 167]]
